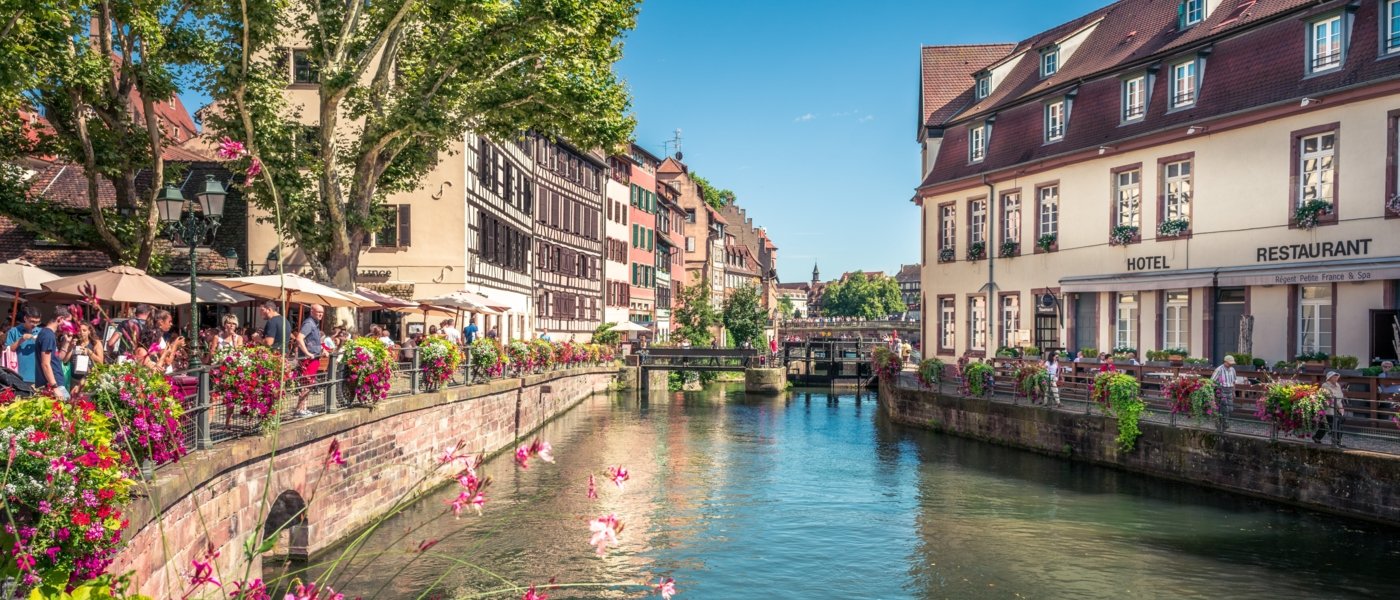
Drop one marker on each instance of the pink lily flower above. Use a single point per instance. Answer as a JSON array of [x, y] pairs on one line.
[[254, 169], [605, 530], [667, 588], [230, 149]]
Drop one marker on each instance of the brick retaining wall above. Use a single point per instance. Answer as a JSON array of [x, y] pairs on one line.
[[216, 496], [1348, 482]]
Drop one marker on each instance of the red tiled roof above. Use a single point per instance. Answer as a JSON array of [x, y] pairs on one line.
[[945, 80], [1255, 68]]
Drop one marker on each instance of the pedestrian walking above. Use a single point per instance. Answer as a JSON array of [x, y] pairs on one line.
[[48, 367], [310, 345], [1052, 369], [1224, 379], [1335, 410]]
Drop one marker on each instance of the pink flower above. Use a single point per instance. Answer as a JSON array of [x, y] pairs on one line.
[[333, 456], [250, 590], [25, 562], [592, 488], [618, 475], [426, 544], [605, 530], [543, 450], [467, 499], [522, 457], [204, 570], [230, 149], [254, 168], [531, 594], [667, 588], [311, 591]]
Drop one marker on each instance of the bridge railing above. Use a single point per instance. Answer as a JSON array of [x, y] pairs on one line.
[[709, 358]]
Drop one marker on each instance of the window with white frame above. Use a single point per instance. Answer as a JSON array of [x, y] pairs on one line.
[[1055, 120], [1126, 321], [1134, 98], [1325, 44], [1192, 12], [1184, 84], [1391, 26], [1049, 61], [1049, 210], [977, 322], [1176, 190], [948, 225], [1176, 320], [1128, 193], [977, 142], [947, 323], [1010, 319], [1317, 167], [1314, 318], [984, 86], [1011, 217], [978, 229]]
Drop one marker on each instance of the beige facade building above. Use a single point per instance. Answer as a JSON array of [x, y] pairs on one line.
[[1213, 175]]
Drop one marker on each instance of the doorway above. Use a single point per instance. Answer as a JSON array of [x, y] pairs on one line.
[[1229, 310]]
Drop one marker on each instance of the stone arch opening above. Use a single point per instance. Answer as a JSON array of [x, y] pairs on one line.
[[286, 520]]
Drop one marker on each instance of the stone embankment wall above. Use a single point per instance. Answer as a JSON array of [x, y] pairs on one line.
[[1341, 481], [219, 498]]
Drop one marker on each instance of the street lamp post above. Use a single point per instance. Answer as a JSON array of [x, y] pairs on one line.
[[189, 228]]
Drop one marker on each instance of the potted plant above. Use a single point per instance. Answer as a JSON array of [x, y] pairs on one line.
[[1048, 242], [1197, 362], [1309, 214], [1091, 354], [1243, 361], [930, 373], [1004, 352], [1031, 351], [1176, 355], [1124, 353], [1344, 363], [946, 255], [1173, 227], [1312, 360], [1123, 235], [1191, 395], [1120, 395], [976, 250], [1009, 248]]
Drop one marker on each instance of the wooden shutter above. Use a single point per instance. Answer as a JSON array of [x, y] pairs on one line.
[[405, 225], [283, 62]]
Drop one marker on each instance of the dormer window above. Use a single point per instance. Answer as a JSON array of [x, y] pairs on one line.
[[977, 142], [1184, 84], [1192, 12], [1134, 97], [1325, 44], [984, 87], [1391, 26], [1049, 61], [1055, 117]]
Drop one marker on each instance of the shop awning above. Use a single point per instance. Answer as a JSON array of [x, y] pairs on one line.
[[1332, 271], [1137, 282]]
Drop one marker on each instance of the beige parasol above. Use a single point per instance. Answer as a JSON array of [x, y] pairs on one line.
[[293, 288], [466, 301], [21, 276], [121, 284]]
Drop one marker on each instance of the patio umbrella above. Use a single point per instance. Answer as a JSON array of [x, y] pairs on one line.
[[466, 301], [210, 292], [385, 300], [20, 275], [120, 284], [422, 309], [291, 288], [630, 327]]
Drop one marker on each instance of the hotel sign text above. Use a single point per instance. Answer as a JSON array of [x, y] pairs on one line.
[[1313, 250]]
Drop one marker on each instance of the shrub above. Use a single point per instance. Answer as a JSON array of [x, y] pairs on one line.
[[439, 359], [1345, 362], [980, 378], [604, 334], [369, 370], [930, 372], [250, 380], [147, 413]]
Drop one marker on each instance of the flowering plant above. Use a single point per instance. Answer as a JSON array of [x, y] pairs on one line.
[[147, 413], [1194, 396], [1121, 396], [980, 378], [930, 372], [885, 363], [488, 358], [1122, 235], [521, 356], [1047, 242], [1173, 227], [1294, 408], [946, 255], [438, 358], [1392, 204], [65, 483], [543, 352], [1009, 248], [1310, 213], [1033, 381], [368, 370], [976, 250], [249, 380]]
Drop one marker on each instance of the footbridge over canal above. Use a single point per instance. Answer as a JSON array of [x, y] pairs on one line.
[[760, 375]]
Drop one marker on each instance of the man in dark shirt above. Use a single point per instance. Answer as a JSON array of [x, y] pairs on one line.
[[49, 367], [123, 339], [275, 328], [309, 347], [470, 332]]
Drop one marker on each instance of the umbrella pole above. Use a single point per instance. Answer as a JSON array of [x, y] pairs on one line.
[[14, 309]]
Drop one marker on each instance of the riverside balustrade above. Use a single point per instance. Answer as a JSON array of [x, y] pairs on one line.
[[1371, 402]]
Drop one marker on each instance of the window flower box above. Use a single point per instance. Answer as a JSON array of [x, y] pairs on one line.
[[946, 255], [1392, 205], [1048, 242], [1171, 228], [1009, 248], [1309, 214], [1123, 235], [977, 251]]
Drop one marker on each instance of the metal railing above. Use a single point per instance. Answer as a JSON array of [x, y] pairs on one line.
[[1368, 422]]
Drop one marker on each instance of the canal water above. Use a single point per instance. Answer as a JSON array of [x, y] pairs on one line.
[[816, 495]]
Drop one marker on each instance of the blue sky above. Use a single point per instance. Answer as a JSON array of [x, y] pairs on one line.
[[807, 109]]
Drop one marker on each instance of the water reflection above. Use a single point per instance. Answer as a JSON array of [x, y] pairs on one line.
[[815, 495]]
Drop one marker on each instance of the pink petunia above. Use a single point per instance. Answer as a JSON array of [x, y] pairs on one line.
[[255, 168], [605, 530]]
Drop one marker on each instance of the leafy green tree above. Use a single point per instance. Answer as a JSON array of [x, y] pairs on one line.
[[744, 317], [694, 317], [604, 334], [862, 296], [96, 68], [715, 197], [786, 308], [398, 82]]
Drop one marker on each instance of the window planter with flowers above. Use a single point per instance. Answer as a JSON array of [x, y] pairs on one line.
[[368, 370], [249, 381], [144, 408], [1123, 235], [1310, 214], [947, 255], [1009, 249], [438, 358], [1392, 205], [66, 483], [1048, 242], [488, 358], [976, 251], [1171, 228]]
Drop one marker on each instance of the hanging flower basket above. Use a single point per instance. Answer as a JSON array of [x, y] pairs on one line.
[[1293, 408], [369, 370], [1192, 396], [144, 409], [438, 358], [249, 381], [488, 358], [930, 372], [886, 364]]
